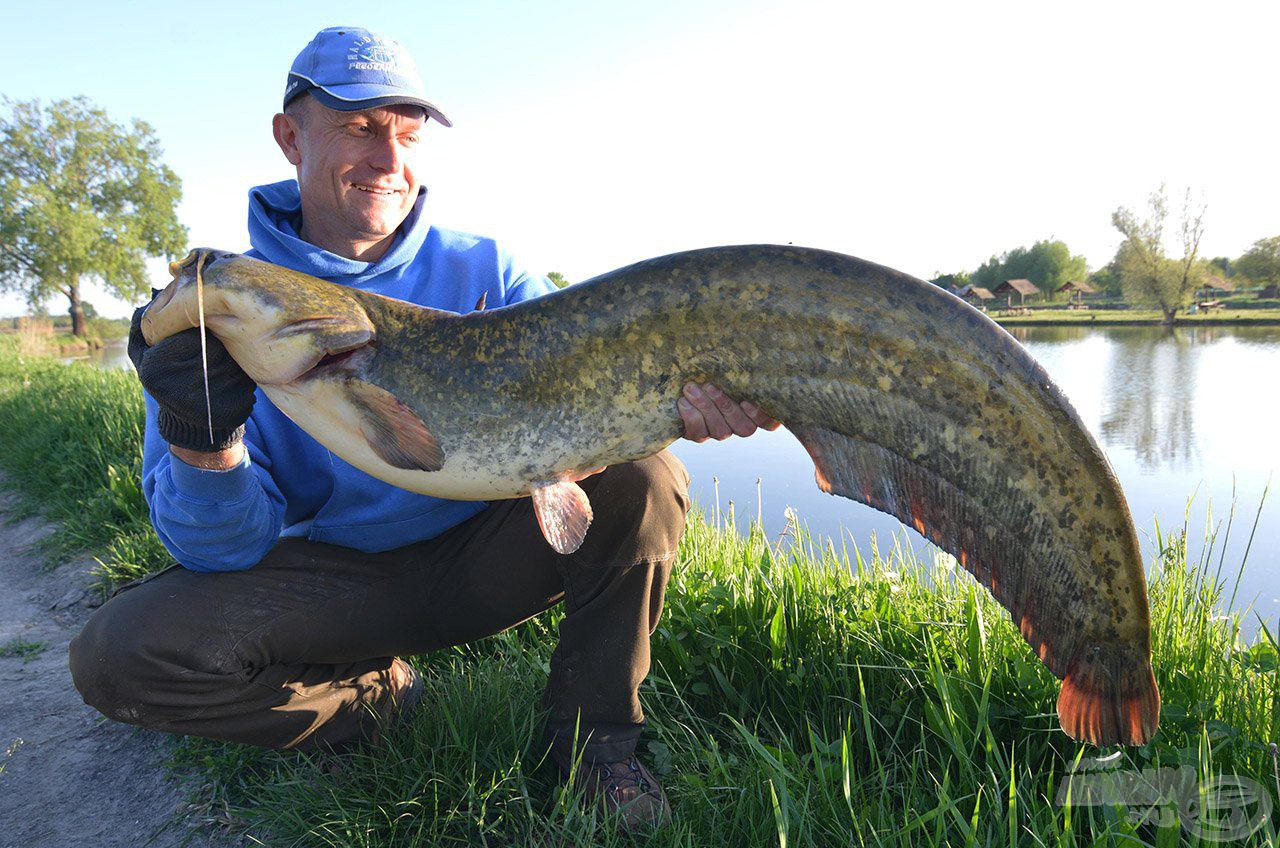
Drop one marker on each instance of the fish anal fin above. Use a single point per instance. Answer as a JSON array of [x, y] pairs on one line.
[[394, 431], [993, 552], [1109, 696], [937, 510], [564, 513]]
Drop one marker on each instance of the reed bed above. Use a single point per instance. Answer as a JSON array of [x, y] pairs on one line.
[[801, 693]]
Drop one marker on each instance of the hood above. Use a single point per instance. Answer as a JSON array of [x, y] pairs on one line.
[[275, 214]]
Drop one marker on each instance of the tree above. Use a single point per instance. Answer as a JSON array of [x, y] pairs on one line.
[[1046, 263], [1261, 263], [1146, 273], [1107, 279], [1221, 266], [557, 279], [951, 282], [81, 198]]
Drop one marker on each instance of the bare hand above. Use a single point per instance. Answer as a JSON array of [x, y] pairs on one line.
[[709, 413]]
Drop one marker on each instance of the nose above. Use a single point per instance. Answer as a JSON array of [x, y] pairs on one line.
[[386, 155]]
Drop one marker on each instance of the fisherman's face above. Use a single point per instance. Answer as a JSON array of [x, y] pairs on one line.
[[356, 171]]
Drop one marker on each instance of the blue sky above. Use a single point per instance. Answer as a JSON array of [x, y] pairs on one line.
[[926, 136]]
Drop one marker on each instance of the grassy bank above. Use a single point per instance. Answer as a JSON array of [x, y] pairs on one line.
[[1140, 317], [72, 441], [800, 695]]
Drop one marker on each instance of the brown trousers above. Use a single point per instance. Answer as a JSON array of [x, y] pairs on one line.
[[294, 652]]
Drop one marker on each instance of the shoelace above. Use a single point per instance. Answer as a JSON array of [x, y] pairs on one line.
[[614, 780]]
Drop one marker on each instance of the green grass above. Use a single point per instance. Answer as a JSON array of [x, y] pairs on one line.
[[798, 697], [73, 453], [800, 694], [23, 649]]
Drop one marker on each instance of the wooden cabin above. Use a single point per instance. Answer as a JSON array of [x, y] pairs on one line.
[[1076, 290], [975, 296], [1022, 288]]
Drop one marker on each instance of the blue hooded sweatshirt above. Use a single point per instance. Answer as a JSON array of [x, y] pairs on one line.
[[288, 485]]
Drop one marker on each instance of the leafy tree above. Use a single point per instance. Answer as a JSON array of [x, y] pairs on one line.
[[1261, 263], [557, 279], [1046, 263], [1107, 279], [1146, 273], [81, 198], [1222, 266], [958, 280]]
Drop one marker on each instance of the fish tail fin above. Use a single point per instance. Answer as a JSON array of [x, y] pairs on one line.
[[1109, 696]]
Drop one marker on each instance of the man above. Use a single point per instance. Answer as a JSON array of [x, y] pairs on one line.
[[301, 580]]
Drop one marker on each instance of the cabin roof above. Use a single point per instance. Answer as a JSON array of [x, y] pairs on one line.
[[975, 291], [1023, 287], [1076, 285]]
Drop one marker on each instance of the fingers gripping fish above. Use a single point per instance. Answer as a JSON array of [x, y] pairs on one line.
[[905, 397]]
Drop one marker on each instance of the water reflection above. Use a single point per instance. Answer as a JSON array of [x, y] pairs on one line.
[[1150, 389], [113, 357], [1187, 418], [1050, 335]]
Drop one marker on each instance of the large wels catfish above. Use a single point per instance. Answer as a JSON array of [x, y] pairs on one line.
[[906, 398]]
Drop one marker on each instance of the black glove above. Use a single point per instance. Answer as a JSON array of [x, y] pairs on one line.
[[171, 372]]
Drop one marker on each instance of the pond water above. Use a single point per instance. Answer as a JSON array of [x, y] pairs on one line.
[[1189, 417], [113, 357]]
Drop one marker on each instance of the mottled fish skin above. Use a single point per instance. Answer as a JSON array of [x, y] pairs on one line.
[[907, 398]]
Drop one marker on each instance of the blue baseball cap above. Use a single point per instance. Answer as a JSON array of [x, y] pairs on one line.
[[351, 68]]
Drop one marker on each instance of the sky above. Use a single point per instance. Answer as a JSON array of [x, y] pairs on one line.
[[589, 135]]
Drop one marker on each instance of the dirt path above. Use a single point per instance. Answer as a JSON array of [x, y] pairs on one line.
[[67, 776]]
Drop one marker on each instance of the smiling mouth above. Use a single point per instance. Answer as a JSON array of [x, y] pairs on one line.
[[379, 192]]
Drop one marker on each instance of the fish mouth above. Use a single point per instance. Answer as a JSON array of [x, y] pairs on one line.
[[343, 361], [318, 347]]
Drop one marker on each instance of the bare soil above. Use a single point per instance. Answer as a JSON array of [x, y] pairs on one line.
[[69, 777]]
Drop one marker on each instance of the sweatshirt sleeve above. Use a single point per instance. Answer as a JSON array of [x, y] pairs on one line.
[[211, 520], [518, 284]]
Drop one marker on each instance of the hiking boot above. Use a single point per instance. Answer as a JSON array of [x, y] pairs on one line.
[[628, 790]]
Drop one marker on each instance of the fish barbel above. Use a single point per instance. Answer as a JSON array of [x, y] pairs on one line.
[[906, 398]]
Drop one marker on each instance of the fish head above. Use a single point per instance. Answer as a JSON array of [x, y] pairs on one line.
[[279, 325]]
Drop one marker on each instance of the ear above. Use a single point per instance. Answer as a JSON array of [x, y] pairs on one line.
[[288, 135]]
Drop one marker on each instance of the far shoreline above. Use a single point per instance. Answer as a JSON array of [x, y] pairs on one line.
[[1109, 318]]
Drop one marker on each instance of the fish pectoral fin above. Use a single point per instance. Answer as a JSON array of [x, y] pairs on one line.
[[564, 513], [394, 431]]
